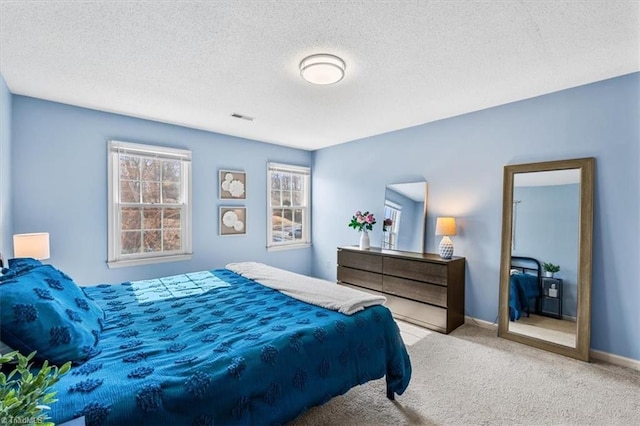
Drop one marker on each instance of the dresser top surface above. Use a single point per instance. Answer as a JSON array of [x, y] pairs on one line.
[[430, 257]]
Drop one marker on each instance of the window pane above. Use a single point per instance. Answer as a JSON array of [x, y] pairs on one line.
[[130, 218], [129, 191], [171, 193], [286, 198], [150, 192], [275, 181], [152, 218], [297, 198], [171, 219], [297, 216], [129, 167], [172, 239], [275, 198], [171, 171], [150, 169], [152, 241], [297, 224], [297, 182], [130, 242], [286, 181]]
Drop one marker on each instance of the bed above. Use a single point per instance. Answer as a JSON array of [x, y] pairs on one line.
[[524, 286], [212, 347]]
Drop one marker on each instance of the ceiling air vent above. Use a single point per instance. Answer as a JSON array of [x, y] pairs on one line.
[[243, 117]]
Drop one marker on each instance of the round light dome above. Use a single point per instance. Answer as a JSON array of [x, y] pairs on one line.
[[322, 69]]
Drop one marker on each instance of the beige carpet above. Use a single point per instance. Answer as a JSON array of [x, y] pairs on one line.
[[472, 377]]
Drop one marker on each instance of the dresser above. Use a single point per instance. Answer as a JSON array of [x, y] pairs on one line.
[[421, 288]]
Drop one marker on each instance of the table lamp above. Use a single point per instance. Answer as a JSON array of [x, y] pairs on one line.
[[446, 226], [31, 245]]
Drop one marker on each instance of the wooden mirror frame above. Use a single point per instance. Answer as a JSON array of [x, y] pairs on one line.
[[585, 248]]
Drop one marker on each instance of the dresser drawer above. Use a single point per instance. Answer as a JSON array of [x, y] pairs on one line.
[[416, 290], [360, 260], [428, 316], [416, 270], [360, 278]]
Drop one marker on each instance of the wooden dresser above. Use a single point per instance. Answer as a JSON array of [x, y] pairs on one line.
[[420, 288]]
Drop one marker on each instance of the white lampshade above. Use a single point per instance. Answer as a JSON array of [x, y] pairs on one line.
[[31, 245], [322, 69], [446, 226]]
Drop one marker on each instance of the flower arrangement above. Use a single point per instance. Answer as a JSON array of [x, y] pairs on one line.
[[387, 223], [362, 221]]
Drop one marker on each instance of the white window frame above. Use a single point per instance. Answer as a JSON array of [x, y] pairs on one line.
[[390, 241], [305, 240], [115, 258]]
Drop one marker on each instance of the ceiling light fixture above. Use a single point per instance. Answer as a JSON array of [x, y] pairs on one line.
[[322, 69]]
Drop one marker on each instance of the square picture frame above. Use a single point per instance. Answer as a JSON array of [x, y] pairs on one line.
[[232, 184], [232, 220]]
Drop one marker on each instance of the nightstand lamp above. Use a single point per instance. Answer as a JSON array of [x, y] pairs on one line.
[[31, 245], [446, 226]]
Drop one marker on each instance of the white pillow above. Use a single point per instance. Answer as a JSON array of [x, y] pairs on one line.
[[515, 271]]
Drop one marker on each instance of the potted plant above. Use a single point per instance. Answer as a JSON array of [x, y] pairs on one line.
[[24, 394], [550, 269]]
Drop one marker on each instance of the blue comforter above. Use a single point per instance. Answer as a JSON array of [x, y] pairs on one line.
[[217, 348], [522, 288]]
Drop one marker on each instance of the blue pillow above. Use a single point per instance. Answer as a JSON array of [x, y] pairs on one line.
[[43, 310], [20, 262]]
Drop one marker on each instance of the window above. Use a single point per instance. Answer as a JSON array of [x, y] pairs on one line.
[[391, 211], [149, 204], [288, 215]]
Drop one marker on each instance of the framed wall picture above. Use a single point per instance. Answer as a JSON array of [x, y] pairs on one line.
[[233, 220], [232, 185]]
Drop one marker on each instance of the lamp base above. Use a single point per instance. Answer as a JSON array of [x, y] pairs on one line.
[[446, 248]]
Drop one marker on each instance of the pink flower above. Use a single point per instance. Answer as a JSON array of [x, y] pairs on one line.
[[362, 221]]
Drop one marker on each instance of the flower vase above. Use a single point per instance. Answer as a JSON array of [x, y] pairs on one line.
[[364, 240]]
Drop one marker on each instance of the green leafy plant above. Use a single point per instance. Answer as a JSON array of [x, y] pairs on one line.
[[550, 267], [24, 395]]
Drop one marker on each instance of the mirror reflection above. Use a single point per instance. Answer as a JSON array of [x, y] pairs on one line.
[[543, 290], [405, 212], [545, 272]]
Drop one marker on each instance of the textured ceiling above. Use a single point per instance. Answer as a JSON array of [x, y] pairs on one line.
[[408, 62]]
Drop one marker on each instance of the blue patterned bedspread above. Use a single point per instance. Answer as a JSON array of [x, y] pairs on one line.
[[217, 348]]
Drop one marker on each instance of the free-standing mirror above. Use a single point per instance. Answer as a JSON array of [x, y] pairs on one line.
[[405, 213], [545, 272]]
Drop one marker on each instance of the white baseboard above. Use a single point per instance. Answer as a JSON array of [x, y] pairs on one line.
[[615, 359], [599, 355], [479, 322]]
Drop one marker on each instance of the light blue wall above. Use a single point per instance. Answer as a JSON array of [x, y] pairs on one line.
[[60, 186], [547, 226], [5, 171], [463, 157]]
